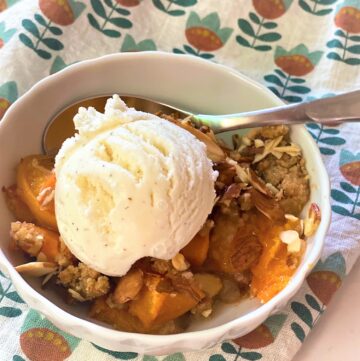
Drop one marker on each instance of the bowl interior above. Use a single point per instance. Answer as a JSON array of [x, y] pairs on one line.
[[189, 84]]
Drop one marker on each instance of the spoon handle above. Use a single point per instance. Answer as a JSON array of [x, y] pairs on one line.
[[331, 111]]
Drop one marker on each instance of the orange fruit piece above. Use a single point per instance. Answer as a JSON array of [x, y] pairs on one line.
[[156, 308], [197, 249], [51, 244], [15, 205], [35, 180]]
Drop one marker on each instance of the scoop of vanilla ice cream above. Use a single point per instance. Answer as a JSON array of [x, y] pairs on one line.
[[130, 185]]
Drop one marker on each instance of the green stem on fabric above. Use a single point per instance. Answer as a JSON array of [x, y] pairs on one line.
[[257, 32], [317, 317], [5, 292], [320, 133], [356, 200], [315, 6], [108, 17], [238, 354], [345, 46], [42, 34], [169, 5], [285, 85]]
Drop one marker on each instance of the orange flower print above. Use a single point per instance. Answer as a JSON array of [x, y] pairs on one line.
[[324, 281], [253, 29], [350, 167], [260, 337], [3, 5], [293, 65], [41, 340], [203, 38], [5, 34], [8, 94], [298, 61], [324, 284], [4, 105], [129, 3], [41, 343], [326, 277], [263, 335], [205, 35], [271, 9], [347, 19], [348, 194], [59, 12]]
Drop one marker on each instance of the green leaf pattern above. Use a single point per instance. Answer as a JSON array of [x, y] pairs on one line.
[[11, 304], [173, 7], [317, 7], [107, 15], [253, 33]]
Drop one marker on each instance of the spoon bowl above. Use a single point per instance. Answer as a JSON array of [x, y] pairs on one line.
[[61, 126], [339, 108]]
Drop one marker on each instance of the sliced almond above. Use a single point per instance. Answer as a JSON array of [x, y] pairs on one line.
[[267, 206], [242, 173], [128, 286], [258, 183], [231, 192], [206, 313], [259, 143], [272, 189], [312, 220], [292, 239], [209, 283], [269, 147], [292, 149], [37, 269], [291, 217], [213, 150], [245, 140], [76, 295], [179, 263], [48, 277]]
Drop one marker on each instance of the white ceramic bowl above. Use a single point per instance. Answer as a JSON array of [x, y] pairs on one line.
[[189, 83]]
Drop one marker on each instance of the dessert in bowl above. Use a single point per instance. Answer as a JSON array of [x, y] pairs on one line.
[[186, 258]]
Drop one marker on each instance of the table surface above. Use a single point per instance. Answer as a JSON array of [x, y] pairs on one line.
[[336, 336]]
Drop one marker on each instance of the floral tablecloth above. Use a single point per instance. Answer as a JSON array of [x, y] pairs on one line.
[[300, 49]]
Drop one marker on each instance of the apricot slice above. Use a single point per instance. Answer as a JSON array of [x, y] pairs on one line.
[[275, 267], [156, 308], [197, 250], [36, 241], [51, 244], [119, 318], [34, 176], [16, 206]]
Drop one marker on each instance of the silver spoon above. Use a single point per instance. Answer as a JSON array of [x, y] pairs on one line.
[[330, 111]]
